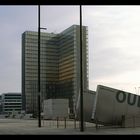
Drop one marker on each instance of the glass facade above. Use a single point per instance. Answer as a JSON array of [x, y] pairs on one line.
[[60, 67]]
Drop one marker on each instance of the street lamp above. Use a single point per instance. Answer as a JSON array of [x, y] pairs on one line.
[[43, 28], [39, 91], [81, 76]]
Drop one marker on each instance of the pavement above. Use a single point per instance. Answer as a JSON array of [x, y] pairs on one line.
[[30, 127]]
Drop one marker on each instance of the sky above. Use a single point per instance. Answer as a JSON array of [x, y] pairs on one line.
[[113, 41]]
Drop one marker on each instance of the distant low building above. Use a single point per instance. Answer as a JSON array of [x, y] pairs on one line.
[[0, 105], [11, 103]]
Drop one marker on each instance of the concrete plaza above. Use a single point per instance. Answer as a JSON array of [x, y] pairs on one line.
[[30, 127]]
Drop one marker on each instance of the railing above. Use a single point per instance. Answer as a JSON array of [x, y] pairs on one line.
[[60, 122]]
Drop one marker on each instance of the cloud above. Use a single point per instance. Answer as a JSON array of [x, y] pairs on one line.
[[113, 45], [58, 18], [14, 21]]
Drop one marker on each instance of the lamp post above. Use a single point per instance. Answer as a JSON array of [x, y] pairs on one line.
[[39, 91], [81, 76], [39, 110]]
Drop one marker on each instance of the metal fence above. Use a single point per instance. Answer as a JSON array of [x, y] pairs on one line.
[[61, 123], [65, 123]]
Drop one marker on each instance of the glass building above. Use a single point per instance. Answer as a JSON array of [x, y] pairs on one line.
[[60, 66]]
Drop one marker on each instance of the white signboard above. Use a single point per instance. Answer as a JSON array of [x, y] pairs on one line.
[[111, 104], [88, 101]]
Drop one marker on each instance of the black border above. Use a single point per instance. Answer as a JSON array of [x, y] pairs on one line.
[[69, 2]]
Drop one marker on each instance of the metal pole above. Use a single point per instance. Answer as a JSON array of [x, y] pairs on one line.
[[39, 116], [81, 76]]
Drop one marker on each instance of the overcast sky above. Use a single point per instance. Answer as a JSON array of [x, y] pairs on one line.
[[114, 42]]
